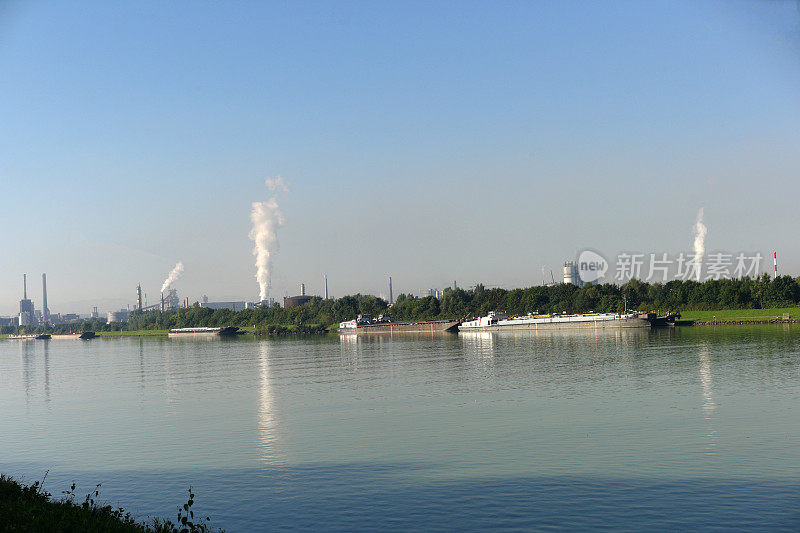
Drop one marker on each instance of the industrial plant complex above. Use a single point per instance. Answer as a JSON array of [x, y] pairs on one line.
[[169, 300]]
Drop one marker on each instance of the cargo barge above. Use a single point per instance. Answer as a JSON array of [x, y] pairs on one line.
[[206, 332], [497, 321], [387, 325]]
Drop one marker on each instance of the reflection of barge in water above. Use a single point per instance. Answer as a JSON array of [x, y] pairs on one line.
[[495, 321], [387, 325], [206, 332]]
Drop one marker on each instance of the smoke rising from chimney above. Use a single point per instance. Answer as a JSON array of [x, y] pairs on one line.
[[267, 219], [173, 276], [699, 232]]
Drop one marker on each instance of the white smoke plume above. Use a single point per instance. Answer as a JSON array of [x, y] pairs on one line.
[[266, 219], [277, 184], [174, 274], [699, 232]]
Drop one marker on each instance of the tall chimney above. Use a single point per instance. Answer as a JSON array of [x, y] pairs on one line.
[[391, 299], [139, 295], [326, 286], [775, 263], [302, 289], [45, 310], [24, 286]]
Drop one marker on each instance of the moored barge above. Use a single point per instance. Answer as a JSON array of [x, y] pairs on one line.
[[208, 332], [387, 325]]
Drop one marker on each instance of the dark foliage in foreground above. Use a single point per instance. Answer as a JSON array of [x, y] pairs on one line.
[[31, 509]]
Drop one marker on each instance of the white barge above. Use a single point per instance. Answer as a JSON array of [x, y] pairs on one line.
[[207, 332], [497, 320]]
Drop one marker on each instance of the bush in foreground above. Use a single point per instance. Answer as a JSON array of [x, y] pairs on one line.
[[31, 508]]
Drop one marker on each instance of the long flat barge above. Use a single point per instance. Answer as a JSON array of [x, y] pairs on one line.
[[207, 332], [497, 321], [430, 326]]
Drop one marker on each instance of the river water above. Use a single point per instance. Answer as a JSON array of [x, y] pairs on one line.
[[638, 430]]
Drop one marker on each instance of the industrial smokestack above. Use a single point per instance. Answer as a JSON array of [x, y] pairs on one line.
[[139, 295], [775, 263], [24, 286], [326, 286], [302, 289], [45, 310], [391, 299]]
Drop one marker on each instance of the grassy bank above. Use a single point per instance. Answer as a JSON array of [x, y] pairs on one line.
[[31, 509], [741, 315]]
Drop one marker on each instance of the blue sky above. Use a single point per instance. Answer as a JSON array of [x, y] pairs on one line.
[[433, 141]]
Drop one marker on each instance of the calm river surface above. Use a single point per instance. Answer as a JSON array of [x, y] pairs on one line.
[[686, 428]]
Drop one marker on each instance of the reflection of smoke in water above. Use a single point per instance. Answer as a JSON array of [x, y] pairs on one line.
[[705, 379], [709, 405], [268, 436]]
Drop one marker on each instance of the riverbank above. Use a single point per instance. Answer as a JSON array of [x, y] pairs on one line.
[[775, 315], [31, 508]]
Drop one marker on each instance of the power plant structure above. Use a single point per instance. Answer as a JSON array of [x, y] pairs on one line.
[[45, 310], [27, 315], [171, 301], [391, 299], [118, 316], [571, 275], [294, 301], [326, 286]]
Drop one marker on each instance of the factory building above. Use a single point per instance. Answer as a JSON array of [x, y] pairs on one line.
[[171, 301], [301, 299], [123, 315], [233, 306], [295, 301]]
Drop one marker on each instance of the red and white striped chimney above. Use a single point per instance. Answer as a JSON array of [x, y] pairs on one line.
[[775, 263]]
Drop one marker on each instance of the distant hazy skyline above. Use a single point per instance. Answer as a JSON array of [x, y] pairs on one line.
[[429, 141]]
